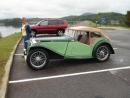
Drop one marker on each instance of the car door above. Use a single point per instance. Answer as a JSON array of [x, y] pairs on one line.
[[52, 26], [43, 26], [79, 49]]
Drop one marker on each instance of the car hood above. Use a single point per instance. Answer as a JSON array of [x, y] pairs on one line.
[[33, 26], [47, 39]]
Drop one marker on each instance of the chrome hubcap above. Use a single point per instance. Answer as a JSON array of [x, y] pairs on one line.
[[102, 53], [38, 58], [60, 33]]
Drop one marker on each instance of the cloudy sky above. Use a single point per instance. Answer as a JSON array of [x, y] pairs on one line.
[[59, 8]]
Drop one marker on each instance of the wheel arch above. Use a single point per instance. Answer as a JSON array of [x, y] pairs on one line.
[[52, 54], [34, 30], [100, 44]]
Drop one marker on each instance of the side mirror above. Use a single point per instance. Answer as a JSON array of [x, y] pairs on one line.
[[39, 25]]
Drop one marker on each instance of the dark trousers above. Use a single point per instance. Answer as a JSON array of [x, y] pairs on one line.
[[25, 41]]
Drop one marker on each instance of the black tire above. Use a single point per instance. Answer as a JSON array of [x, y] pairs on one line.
[[37, 59], [102, 53], [60, 32]]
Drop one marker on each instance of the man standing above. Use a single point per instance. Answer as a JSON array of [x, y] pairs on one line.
[[26, 33]]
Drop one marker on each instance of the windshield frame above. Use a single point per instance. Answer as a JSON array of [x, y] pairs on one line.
[[73, 33]]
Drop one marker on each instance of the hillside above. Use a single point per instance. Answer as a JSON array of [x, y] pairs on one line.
[[111, 17], [87, 14], [16, 22]]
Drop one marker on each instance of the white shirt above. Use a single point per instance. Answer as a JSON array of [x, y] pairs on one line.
[[23, 30]]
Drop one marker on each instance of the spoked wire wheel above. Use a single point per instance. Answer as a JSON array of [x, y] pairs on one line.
[[102, 53], [37, 59]]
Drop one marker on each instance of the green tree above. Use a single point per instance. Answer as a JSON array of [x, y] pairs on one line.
[[128, 18]]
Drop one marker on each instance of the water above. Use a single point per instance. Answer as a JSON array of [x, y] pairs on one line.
[[8, 30]]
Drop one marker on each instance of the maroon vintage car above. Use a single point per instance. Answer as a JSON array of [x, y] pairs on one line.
[[50, 26]]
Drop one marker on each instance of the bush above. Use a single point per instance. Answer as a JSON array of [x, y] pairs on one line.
[[128, 18], [0, 35]]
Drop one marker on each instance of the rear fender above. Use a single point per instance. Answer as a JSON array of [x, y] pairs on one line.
[[102, 43]]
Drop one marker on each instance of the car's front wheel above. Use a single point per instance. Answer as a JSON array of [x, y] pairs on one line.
[[37, 59], [102, 53]]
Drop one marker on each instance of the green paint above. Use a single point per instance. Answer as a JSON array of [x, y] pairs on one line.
[[58, 47], [78, 50], [68, 47]]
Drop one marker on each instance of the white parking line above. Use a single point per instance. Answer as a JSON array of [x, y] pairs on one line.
[[67, 75], [21, 54], [115, 48]]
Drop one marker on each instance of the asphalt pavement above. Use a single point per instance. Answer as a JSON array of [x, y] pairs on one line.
[[75, 78]]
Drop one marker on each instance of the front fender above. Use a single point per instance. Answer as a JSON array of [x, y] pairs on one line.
[[52, 54], [53, 46]]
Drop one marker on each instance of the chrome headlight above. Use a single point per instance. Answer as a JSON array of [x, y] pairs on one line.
[[33, 41]]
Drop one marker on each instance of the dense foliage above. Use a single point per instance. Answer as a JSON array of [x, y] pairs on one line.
[[97, 17], [110, 18], [128, 18], [16, 22]]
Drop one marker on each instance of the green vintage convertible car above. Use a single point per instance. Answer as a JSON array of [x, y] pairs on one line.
[[77, 43]]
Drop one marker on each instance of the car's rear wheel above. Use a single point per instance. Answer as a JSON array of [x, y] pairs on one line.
[[37, 59], [60, 32], [102, 53]]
